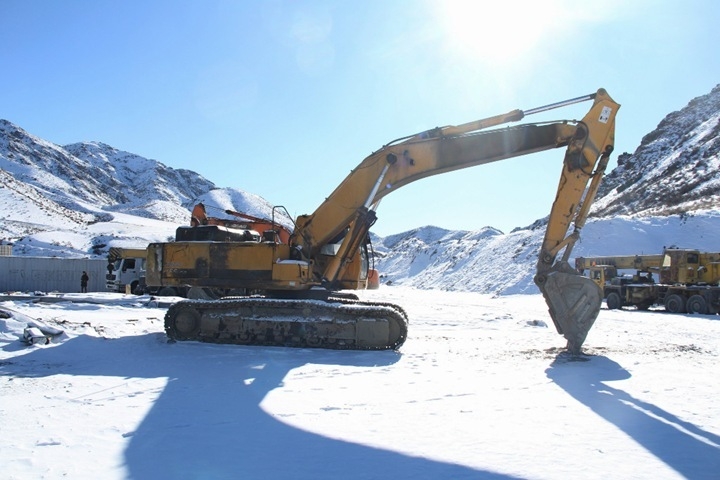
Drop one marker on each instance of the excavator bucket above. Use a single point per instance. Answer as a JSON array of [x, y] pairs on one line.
[[574, 303]]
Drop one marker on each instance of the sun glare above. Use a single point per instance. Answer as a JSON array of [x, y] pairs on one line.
[[496, 31]]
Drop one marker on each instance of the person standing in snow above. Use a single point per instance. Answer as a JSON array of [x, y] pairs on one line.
[[83, 282]]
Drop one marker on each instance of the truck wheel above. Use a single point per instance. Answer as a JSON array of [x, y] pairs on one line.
[[613, 301], [697, 304], [675, 304]]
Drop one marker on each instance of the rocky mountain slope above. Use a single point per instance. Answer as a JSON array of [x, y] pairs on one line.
[[85, 182], [675, 168], [107, 197], [80, 199]]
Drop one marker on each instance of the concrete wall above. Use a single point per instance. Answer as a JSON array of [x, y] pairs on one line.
[[46, 274]]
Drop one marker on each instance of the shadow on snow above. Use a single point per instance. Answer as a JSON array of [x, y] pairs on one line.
[[208, 422], [687, 449]]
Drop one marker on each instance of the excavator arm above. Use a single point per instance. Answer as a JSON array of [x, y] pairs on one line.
[[349, 211]]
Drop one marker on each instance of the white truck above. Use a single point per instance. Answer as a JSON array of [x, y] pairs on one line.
[[126, 274], [124, 269]]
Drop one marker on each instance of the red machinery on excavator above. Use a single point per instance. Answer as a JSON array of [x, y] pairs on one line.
[[294, 283]]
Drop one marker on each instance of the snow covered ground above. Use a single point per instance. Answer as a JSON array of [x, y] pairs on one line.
[[480, 390]]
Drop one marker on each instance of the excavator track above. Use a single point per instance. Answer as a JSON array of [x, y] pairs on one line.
[[336, 323]]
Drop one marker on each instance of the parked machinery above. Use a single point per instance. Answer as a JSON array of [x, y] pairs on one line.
[[681, 280]]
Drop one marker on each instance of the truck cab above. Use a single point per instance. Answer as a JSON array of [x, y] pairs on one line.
[[125, 267], [602, 274]]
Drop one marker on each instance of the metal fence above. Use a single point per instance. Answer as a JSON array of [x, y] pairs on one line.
[[49, 274]]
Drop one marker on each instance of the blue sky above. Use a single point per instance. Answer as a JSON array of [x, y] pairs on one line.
[[284, 98]]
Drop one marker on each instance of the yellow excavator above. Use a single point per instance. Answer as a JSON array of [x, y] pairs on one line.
[[293, 285]]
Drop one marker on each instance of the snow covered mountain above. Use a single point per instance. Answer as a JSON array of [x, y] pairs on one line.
[[489, 261], [675, 168], [78, 200], [92, 177]]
